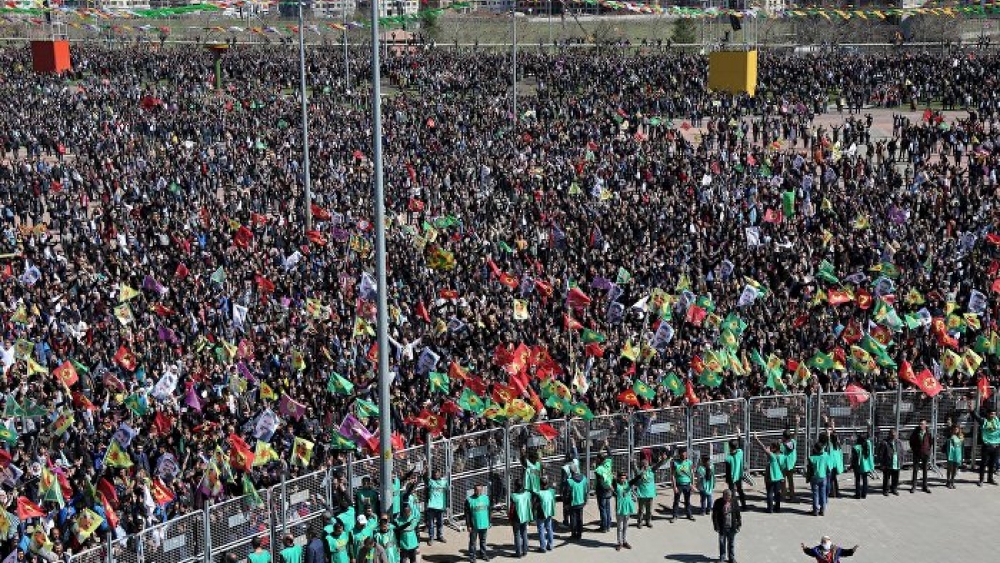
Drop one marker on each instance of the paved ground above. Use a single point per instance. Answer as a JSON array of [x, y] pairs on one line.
[[944, 526]]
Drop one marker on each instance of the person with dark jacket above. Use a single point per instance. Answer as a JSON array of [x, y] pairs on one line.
[[372, 552], [888, 455], [921, 446], [827, 552], [315, 551], [727, 521]]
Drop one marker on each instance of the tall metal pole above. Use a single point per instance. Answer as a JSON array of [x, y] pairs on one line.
[[513, 85], [305, 119], [385, 420], [347, 61], [550, 23]]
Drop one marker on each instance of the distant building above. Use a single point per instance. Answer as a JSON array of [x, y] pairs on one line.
[[388, 8], [335, 8]]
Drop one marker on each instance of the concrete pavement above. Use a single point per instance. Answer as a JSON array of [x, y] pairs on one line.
[[945, 526]]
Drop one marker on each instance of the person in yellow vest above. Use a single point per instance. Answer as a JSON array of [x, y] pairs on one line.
[[477, 521]]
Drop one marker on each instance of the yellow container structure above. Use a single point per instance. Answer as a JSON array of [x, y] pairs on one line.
[[733, 71]]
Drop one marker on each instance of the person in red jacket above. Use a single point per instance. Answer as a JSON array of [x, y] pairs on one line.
[[827, 552]]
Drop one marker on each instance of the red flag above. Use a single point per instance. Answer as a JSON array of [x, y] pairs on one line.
[[698, 364], [546, 430], [852, 332], [5, 458], [502, 355], [81, 401], [258, 219], [993, 238], [319, 213], [476, 385], [162, 423], [243, 237], [125, 358], [109, 512], [456, 371], [508, 280], [316, 237], [182, 271], [421, 311], [429, 422], [27, 509], [240, 455], [108, 490], [906, 373], [928, 384], [695, 315], [161, 494], [162, 310], [372, 355], [503, 394], [494, 269], [983, 384], [593, 350], [448, 294], [415, 205], [450, 407], [863, 299], [996, 285], [265, 285], [772, 216], [569, 323], [577, 299], [66, 374], [800, 320], [544, 288], [856, 394], [689, 395], [628, 397], [836, 297], [397, 441]]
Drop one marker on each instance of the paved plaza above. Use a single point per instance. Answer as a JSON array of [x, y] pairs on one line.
[[942, 527]]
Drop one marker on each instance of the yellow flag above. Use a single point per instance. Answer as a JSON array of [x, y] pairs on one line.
[[263, 453], [629, 352], [302, 451], [361, 327], [266, 393], [298, 360], [520, 310], [88, 522], [126, 293], [116, 457], [34, 367]]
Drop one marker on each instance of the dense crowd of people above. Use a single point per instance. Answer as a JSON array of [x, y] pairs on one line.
[[172, 330]]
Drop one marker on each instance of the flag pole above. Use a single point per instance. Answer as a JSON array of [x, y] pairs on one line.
[[307, 180], [385, 418]]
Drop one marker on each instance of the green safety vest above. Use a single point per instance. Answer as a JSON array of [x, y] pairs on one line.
[[578, 492], [522, 506], [262, 557], [647, 484], [532, 476], [358, 540], [790, 453], [866, 462], [437, 491], [820, 464], [407, 530], [991, 431], [366, 496], [338, 546], [624, 500], [735, 461], [955, 449], [396, 494], [775, 468], [547, 501], [682, 472], [291, 554], [480, 507], [388, 542], [707, 479], [606, 472]]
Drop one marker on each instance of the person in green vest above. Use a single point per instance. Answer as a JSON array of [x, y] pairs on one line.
[[385, 536], [371, 552], [437, 497], [520, 515], [578, 490], [789, 449], [532, 463], [291, 553], [646, 489], [624, 491], [681, 474], [366, 495], [338, 543], [398, 494], [604, 481], [817, 471], [734, 469], [706, 484], [990, 435], [863, 463], [406, 533], [774, 475], [956, 441], [477, 521], [259, 554], [835, 463], [359, 534], [544, 508], [572, 464]]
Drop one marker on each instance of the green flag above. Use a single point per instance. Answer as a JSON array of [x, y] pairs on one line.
[[137, 404], [505, 247], [80, 368], [560, 404], [774, 382], [365, 409], [624, 276], [250, 493], [788, 203], [728, 339], [588, 336], [643, 390], [821, 361], [339, 384], [471, 402], [583, 411], [439, 381], [674, 384], [734, 324], [11, 408], [339, 442], [710, 378], [825, 272], [219, 276], [8, 435]]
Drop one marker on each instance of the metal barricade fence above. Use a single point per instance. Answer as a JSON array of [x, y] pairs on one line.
[[233, 524], [902, 411], [477, 459], [553, 453], [307, 498], [181, 540], [92, 555], [848, 420], [610, 432], [769, 418], [713, 425], [952, 407], [664, 429]]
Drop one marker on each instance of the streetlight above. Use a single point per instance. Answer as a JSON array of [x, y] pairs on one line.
[[382, 319], [305, 119]]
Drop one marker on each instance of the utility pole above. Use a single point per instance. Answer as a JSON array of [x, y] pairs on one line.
[[305, 119]]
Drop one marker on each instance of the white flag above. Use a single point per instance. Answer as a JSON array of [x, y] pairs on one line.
[[977, 302], [428, 361], [749, 295], [368, 290], [267, 423], [753, 236], [664, 334], [164, 388], [239, 316]]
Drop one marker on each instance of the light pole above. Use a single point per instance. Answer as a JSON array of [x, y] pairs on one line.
[[305, 120], [382, 319], [347, 62], [513, 89]]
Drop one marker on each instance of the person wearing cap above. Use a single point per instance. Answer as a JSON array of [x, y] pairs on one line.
[[477, 521], [359, 534], [338, 543], [727, 521], [259, 554], [371, 552], [385, 536], [406, 524], [991, 444], [292, 553], [827, 551]]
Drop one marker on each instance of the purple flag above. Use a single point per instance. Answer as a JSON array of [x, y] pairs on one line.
[[152, 285], [352, 428], [340, 235], [287, 406], [167, 335], [191, 399], [601, 283]]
